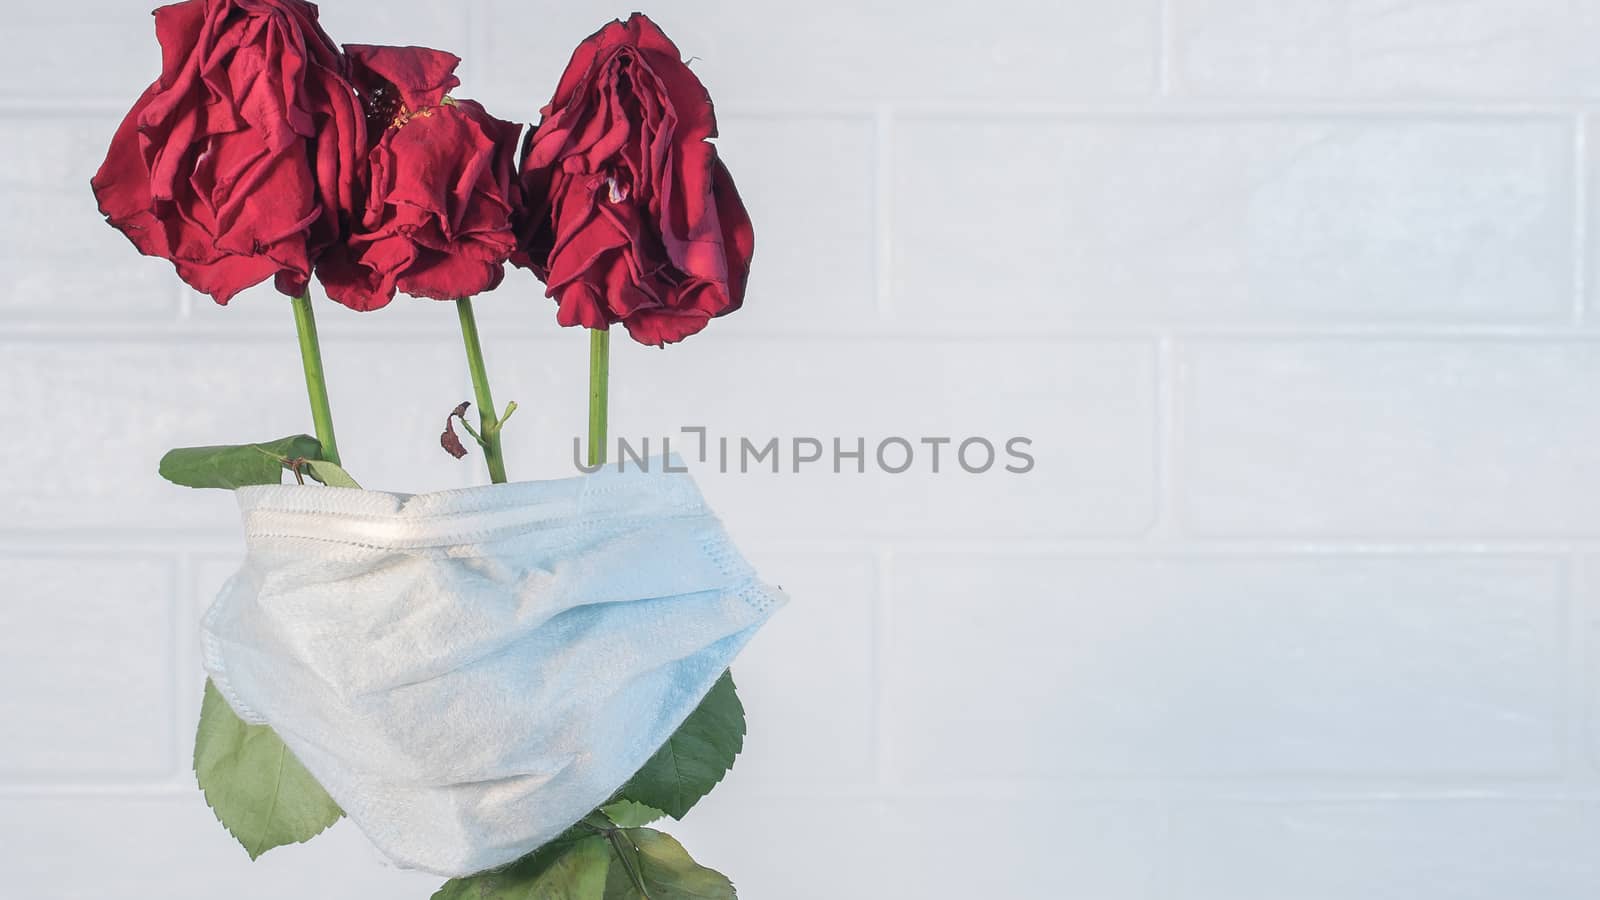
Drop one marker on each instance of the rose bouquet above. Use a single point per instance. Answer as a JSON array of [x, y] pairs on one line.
[[502, 684]]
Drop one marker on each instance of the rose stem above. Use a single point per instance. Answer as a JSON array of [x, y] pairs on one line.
[[488, 425], [599, 376], [305, 322]]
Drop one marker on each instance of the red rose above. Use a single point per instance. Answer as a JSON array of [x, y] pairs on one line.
[[440, 187], [238, 162], [632, 217]]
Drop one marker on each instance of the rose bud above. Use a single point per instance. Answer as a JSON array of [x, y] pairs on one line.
[[237, 163], [631, 217], [440, 190]]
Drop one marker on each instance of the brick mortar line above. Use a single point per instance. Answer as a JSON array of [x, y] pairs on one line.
[[1581, 189], [1571, 692], [1178, 105], [883, 213], [1583, 696], [880, 759], [1179, 109], [1271, 790], [186, 665], [205, 545], [1168, 525], [178, 333], [1167, 50]]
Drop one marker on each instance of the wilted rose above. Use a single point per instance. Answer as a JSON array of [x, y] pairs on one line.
[[440, 186], [632, 218], [238, 163]]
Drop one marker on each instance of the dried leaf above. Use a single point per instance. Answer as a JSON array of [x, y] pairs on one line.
[[449, 440]]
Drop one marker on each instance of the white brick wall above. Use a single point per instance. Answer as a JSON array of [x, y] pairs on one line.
[[1295, 298]]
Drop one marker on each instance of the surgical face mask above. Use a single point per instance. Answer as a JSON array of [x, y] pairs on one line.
[[468, 673]]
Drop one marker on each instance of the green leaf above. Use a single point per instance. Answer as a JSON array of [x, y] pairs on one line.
[[233, 466], [578, 874], [256, 787], [626, 878], [695, 758], [613, 864], [666, 870], [628, 814], [567, 868], [330, 474]]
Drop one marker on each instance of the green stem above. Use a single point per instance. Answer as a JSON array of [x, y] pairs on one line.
[[305, 322], [488, 424], [599, 376]]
